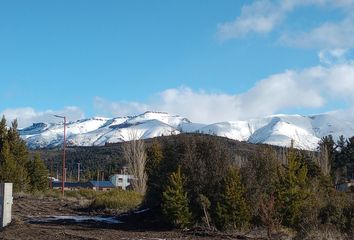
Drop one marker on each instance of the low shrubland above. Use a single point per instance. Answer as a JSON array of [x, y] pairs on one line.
[[196, 181]]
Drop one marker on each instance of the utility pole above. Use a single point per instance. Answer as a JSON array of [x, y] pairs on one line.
[[98, 179], [64, 145], [78, 172], [51, 173], [57, 171], [70, 174]]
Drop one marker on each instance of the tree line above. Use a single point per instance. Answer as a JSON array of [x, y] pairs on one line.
[[340, 156], [197, 181], [27, 174]]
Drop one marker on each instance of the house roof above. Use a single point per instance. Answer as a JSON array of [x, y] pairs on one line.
[[71, 184], [103, 184], [122, 175]]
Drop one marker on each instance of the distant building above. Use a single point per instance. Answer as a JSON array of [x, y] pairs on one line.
[[346, 186], [71, 185], [53, 179], [121, 181], [101, 185]]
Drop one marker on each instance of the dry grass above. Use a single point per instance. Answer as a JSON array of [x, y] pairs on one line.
[[326, 235], [117, 200]]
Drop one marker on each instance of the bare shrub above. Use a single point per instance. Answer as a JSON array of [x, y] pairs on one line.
[[267, 213], [135, 155]]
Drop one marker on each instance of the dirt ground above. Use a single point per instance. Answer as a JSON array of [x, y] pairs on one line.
[[27, 208]]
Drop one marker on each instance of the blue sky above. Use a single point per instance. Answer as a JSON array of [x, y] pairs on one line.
[[206, 60]]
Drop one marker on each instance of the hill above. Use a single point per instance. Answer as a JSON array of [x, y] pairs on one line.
[[279, 130]]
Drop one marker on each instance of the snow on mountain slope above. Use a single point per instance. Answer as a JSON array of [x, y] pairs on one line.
[[234, 130], [42, 135], [306, 131], [98, 131], [281, 133], [190, 127], [324, 125], [141, 130], [166, 118], [36, 128]]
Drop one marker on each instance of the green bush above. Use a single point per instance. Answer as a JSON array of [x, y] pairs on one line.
[[292, 191], [232, 210], [38, 174], [175, 201]]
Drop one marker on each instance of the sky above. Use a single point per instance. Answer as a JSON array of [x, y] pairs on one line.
[[207, 60]]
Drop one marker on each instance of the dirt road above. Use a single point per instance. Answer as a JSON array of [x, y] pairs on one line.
[[28, 208], [28, 223]]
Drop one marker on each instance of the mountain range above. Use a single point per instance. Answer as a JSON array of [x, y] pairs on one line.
[[280, 130]]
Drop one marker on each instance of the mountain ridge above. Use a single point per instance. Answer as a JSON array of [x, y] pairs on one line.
[[279, 130]]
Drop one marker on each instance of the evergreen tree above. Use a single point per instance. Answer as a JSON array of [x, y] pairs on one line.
[[313, 170], [3, 131], [9, 170], [38, 174], [232, 211], [292, 190], [154, 184], [343, 164], [341, 142], [13, 156], [175, 201], [19, 152]]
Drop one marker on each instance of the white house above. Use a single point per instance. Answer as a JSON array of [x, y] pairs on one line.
[[346, 186], [121, 180]]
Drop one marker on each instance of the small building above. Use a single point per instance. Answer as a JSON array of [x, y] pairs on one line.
[[346, 186], [121, 181], [53, 179], [101, 185], [71, 185]]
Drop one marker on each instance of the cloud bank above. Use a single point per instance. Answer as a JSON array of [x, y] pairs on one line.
[[28, 115], [327, 35], [264, 16], [311, 88]]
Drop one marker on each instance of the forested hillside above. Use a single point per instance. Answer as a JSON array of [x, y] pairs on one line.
[[108, 159]]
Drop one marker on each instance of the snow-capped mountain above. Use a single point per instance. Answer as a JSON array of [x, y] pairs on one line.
[[280, 130]]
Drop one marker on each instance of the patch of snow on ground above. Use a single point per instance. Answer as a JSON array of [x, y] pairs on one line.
[[75, 218]]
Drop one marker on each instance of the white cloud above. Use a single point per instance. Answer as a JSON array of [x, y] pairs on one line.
[[258, 17], [330, 35], [332, 56], [123, 108], [344, 114], [263, 16], [310, 88], [339, 81], [27, 115]]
